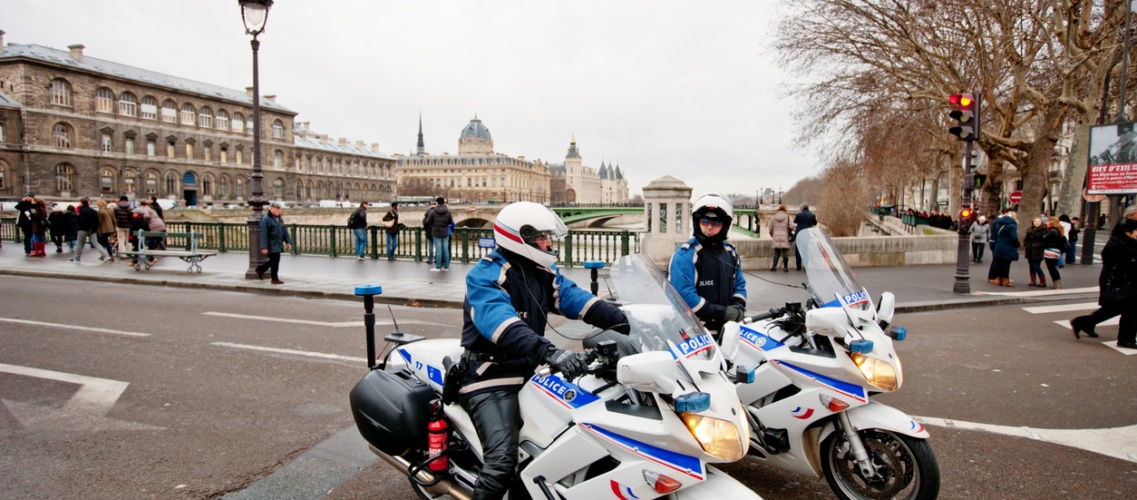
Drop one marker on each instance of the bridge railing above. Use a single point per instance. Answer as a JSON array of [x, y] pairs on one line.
[[466, 244]]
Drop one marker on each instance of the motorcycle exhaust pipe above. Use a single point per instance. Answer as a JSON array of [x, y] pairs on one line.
[[449, 487]]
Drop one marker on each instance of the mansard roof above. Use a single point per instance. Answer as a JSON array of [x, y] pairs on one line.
[[121, 71]]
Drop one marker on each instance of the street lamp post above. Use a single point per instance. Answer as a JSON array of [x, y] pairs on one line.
[[254, 13]]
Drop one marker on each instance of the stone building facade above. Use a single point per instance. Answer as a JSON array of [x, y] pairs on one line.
[[89, 127], [583, 185], [476, 174]]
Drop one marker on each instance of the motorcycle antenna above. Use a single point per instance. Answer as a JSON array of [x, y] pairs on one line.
[[394, 321]]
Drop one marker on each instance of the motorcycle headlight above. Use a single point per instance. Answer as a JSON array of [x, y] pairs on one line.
[[718, 437], [878, 372]]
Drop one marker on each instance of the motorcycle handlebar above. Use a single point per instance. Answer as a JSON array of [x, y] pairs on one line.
[[772, 313]]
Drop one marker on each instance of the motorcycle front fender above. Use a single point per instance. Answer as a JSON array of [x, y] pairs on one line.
[[876, 415], [717, 486]]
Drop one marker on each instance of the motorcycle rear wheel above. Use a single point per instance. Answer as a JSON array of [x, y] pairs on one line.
[[906, 467]]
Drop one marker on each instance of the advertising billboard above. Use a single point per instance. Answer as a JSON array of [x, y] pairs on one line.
[[1113, 159]]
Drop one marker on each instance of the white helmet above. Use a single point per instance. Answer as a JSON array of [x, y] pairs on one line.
[[712, 206], [518, 225]]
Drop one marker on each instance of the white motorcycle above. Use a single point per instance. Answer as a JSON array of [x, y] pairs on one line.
[[655, 410], [811, 373]]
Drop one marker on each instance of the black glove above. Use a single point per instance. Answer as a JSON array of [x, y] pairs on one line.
[[621, 325], [570, 364], [734, 313]]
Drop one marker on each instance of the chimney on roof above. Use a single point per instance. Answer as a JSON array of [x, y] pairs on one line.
[[1, 42], [77, 51], [249, 92], [343, 141], [375, 147], [359, 144], [271, 98]]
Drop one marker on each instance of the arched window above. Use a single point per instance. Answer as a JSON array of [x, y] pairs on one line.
[[239, 187], [205, 118], [64, 177], [151, 183], [188, 179], [3, 170], [127, 104], [106, 179], [104, 100], [223, 186], [222, 120], [61, 135], [60, 92], [278, 159], [299, 190], [278, 188], [277, 129], [149, 108], [207, 185], [171, 183], [238, 123], [188, 114], [169, 111]]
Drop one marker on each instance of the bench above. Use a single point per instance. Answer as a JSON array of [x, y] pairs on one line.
[[191, 254]]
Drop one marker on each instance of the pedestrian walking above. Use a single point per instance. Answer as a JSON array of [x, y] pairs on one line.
[[1054, 245], [357, 221], [122, 218], [57, 227], [429, 238], [1004, 231], [1033, 246], [1075, 230], [39, 227], [71, 217], [980, 234], [391, 226], [24, 220], [88, 231], [802, 221], [1116, 285], [1064, 221], [106, 227], [437, 224], [274, 241], [781, 230], [156, 207]]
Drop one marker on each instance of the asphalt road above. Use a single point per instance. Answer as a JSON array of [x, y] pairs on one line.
[[120, 391]]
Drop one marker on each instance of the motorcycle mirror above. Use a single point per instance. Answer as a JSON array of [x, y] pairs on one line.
[[886, 307], [731, 339], [653, 371]]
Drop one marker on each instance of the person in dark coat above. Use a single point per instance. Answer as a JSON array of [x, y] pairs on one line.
[[1005, 231], [122, 218], [392, 227], [1033, 246], [71, 215], [802, 221], [1055, 239], [88, 231], [57, 227], [39, 227], [358, 226], [24, 221], [1119, 258], [437, 225], [274, 241], [706, 270]]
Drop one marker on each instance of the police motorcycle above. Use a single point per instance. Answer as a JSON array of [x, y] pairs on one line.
[[654, 410], [814, 369]]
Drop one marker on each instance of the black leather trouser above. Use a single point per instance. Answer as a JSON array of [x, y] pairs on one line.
[[497, 417]]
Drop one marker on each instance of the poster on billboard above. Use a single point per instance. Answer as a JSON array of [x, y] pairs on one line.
[[1113, 159]]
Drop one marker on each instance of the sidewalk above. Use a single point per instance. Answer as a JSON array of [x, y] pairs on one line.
[[917, 288]]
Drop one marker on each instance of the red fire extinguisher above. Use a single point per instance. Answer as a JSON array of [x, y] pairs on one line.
[[436, 444]]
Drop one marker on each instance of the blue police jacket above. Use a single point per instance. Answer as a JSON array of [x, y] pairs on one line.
[[709, 278], [508, 299]]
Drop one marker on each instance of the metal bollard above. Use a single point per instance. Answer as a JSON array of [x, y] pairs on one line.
[[594, 267], [368, 292]]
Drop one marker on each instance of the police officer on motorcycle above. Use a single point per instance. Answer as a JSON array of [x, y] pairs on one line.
[[509, 294], [706, 270]]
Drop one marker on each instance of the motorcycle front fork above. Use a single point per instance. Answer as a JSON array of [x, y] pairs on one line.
[[860, 455]]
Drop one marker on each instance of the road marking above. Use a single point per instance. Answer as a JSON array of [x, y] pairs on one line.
[[340, 324], [85, 409], [1087, 306], [1116, 442], [1042, 293], [73, 327], [276, 350]]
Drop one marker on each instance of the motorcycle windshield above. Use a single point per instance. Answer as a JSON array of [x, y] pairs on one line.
[[831, 281], [658, 316]]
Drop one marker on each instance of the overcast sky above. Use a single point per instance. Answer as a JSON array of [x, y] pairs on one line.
[[680, 88]]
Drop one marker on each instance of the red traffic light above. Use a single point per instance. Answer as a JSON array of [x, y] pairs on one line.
[[962, 100], [964, 213]]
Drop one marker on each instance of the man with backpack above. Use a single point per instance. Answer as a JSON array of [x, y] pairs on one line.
[[357, 222]]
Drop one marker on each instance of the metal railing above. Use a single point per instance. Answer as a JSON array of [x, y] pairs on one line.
[[466, 244]]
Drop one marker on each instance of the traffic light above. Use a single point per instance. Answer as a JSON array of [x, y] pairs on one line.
[[966, 115], [964, 214], [980, 180]]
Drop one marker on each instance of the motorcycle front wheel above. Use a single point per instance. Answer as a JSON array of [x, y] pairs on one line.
[[905, 467]]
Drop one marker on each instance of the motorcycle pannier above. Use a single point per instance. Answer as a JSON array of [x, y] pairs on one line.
[[391, 410]]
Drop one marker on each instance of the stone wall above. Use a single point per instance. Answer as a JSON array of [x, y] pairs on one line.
[[866, 251]]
